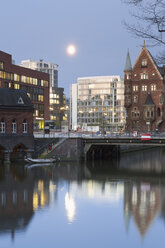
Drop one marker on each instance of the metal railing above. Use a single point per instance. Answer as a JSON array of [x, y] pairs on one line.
[[96, 135]]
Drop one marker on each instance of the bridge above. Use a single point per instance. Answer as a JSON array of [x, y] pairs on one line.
[[78, 146]]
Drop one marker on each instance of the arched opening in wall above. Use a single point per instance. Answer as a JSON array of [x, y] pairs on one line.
[[158, 112], [19, 152], [2, 154], [97, 152]]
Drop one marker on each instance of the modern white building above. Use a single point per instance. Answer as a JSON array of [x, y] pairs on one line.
[[50, 68], [56, 94], [98, 101]]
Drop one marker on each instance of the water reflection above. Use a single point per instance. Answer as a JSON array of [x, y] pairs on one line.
[[134, 183], [70, 206], [142, 201]]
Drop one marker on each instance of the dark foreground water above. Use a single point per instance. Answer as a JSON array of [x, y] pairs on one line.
[[105, 204]]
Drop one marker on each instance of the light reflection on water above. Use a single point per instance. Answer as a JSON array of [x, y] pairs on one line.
[[105, 204]]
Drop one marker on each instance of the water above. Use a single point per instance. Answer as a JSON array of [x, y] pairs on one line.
[[105, 204]]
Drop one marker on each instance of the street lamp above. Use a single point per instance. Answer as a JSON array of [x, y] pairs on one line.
[[103, 122]]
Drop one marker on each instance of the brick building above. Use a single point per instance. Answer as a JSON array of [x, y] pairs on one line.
[[35, 83], [144, 93], [16, 124]]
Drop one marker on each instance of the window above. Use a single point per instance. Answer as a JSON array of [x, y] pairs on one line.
[[14, 126], [16, 86], [40, 98], [144, 63], [127, 100], [3, 199], [1, 65], [16, 77], [14, 197], [144, 87], [25, 196], [135, 88], [135, 99], [24, 126], [144, 76], [149, 113], [135, 113], [128, 76], [127, 88], [1, 74], [2, 126], [153, 87], [161, 99]]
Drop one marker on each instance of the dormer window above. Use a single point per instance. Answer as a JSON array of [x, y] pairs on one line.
[[144, 63]]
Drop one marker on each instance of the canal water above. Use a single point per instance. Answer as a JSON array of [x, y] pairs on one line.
[[119, 203]]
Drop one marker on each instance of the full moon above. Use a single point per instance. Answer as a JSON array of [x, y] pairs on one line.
[[71, 50]]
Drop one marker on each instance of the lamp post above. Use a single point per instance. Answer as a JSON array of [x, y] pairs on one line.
[[103, 122]]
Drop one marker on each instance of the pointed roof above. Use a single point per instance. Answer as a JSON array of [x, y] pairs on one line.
[[14, 99], [151, 57], [149, 101], [128, 66]]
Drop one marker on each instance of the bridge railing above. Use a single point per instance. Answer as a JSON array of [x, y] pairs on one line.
[[95, 135]]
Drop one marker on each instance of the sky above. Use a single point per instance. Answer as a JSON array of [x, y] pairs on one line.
[[42, 29]]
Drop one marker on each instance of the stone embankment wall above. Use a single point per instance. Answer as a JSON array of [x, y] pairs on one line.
[[68, 150], [42, 144]]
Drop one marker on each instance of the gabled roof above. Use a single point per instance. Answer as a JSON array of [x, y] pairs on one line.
[[14, 99], [149, 101], [152, 59], [128, 66]]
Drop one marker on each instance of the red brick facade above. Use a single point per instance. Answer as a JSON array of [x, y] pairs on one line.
[[35, 83], [16, 125], [19, 116], [145, 80]]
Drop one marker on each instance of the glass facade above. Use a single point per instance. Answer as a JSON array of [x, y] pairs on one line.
[[100, 102]]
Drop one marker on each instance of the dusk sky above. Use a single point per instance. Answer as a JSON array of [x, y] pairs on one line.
[[42, 29]]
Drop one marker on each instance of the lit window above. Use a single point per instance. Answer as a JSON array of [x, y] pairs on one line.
[[128, 76], [1, 74], [16, 86], [144, 76], [144, 87], [153, 87], [144, 63], [135, 99], [40, 98], [16, 77], [135, 88], [1, 65], [28, 95]]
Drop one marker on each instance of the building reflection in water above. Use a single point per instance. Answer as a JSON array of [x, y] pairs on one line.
[[16, 201], [70, 207], [142, 201], [24, 191]]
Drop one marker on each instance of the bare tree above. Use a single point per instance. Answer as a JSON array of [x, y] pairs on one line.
[[149, 22]]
